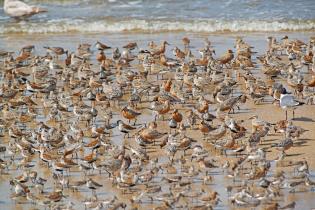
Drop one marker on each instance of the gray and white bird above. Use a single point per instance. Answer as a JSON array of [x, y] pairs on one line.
[[287, 101], [91, 184], [19, 9], [124, 127]]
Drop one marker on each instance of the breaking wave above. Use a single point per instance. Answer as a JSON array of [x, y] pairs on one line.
[[135, 25]]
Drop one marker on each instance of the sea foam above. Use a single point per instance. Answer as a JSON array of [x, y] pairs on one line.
[[135, 25]]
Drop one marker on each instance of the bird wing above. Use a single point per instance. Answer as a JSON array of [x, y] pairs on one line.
[[129, 127], [288, 101], [17, 8], [96, 184], [223, 57]]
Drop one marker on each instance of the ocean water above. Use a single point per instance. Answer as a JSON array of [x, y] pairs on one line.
[[165, 16]]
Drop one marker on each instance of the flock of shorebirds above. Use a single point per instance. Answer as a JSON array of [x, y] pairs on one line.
[[134, 128]]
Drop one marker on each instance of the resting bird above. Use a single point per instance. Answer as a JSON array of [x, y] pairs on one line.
[[18, 9]]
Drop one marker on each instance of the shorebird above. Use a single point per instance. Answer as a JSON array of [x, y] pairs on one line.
[[211, 197], [33, 87], [206, 164], [22, 178], [257, 136], [151, 134], [19, 9], [160, 50], [44, 156], [284, 145], [172, 124], [275, 91], [226, 58], [55, 196], [131, 45], [56, 50], [124, 128], [287, 101], [130, 114], [186, 42], [101, 57], [19, 188], [91, 184], [100, 46], [180, 55], [205, 128], [258, 124], [93, 83], [178, 117], [229, 103], [293, 131], [303, 168], [232, 124], [116, 54], [225, 144], [160, 108], [218, 132]]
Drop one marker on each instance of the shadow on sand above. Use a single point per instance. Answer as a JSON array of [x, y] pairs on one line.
[[304, 119]]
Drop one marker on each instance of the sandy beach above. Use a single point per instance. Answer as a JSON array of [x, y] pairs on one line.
[[302, 148]]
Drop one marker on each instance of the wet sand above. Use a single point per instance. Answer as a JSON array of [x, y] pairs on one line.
[[305, 117]]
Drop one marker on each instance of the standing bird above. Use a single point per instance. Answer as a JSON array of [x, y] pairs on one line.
[[205, 128], [287, 101], [116, 54], [130, 114], [100, 46], [124, 128], [131, 46], [226, 58], [284, 145], [91, 184], [19, 9], [56, 50], [186, 42], [178, 117], [100, 57]]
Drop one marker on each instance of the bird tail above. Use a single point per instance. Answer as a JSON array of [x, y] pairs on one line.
[[300, 103]]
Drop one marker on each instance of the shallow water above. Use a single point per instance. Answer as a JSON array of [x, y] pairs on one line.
[[221, 42], [165, 15]]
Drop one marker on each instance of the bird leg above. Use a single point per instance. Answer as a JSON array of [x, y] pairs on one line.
[[293, 113]]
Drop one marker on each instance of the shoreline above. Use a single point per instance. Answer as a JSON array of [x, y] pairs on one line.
[[139, 32]]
